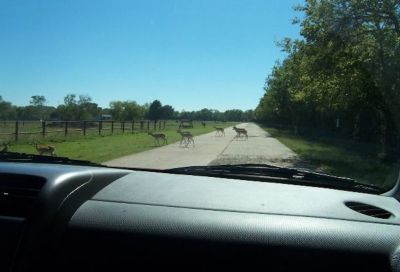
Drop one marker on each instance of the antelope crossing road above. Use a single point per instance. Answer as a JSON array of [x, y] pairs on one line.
[[211, 149]]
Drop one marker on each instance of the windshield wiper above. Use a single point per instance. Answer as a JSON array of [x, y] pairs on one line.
[[23, 157], [270, 173]]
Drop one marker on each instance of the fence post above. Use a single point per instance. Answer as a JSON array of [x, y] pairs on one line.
[[43, 129], [148, 125], [159, 125], [16, 130], [155, 124], [133, 125], [112, 127], [141, 125], [100, 127], [123, 126], [84, 128], [66, 128]]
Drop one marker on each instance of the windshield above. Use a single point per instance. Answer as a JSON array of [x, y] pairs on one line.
[[162, 84]]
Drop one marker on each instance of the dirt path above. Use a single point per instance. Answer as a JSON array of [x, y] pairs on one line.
[[211, 149]]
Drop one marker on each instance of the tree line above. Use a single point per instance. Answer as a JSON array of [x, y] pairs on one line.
[[343, 74], [82, 107]]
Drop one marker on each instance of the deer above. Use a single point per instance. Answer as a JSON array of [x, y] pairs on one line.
[[5, 147], [158, 136], [43, 149], [219, 131], [187, 137], [240, 131]]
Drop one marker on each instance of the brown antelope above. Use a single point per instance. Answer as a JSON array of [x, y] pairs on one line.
[[5, 147], [240, 131], [158, 136], [43, 149], [219, 131], [187, 137]]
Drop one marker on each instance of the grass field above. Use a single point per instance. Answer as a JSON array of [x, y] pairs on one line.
[[337, 157], [106, 147]]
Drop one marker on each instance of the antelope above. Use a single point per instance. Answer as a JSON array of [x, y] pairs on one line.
[[240, 131], [158, 136], [187, 137], [204, 124], [5, 147], [219, 131], [43, 149]]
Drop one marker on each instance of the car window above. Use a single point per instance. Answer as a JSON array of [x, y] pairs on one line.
[[300, 84]]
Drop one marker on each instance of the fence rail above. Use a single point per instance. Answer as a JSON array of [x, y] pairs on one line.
[[13, 130]]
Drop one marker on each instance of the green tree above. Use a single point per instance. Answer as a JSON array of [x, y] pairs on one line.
[[233, 115], [155, 110], [70, 99], [347, 66], [86, 109], [78, 108], [7, 110], [167, 112], [204, 114], [69, 110], [127, 110], [38, 100], [37, 108]]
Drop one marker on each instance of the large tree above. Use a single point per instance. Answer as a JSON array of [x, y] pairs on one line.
[[7, 110], [38, 100], [37, 109], [346, 67], [126, 110], [167, 112], [79, 109], [155, 110]]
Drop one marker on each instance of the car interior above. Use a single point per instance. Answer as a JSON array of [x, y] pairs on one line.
[[66, 217]]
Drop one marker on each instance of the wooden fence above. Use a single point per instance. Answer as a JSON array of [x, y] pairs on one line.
[[14, 130]]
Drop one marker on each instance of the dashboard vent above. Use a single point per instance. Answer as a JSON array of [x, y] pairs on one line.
[[369, 210], [18, 194]]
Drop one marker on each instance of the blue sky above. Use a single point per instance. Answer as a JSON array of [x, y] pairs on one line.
[[189, 54]]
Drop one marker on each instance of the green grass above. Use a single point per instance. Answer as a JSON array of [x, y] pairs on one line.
[[342, 158], [103, 148]]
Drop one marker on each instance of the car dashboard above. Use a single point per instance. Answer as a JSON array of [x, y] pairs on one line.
[[65, 217]]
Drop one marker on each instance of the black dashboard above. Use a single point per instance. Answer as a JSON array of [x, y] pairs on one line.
[[60, 217]]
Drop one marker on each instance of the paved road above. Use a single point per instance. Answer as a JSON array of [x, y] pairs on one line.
[[211, 149]]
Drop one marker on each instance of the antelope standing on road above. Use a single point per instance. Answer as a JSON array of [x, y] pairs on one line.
[[187, 137], [158, 136], [219, 131], [43, 149], [240, 131]]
